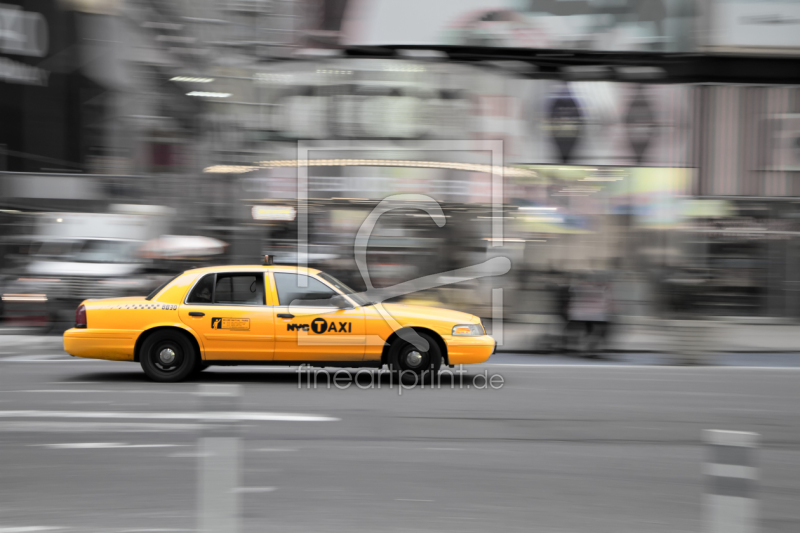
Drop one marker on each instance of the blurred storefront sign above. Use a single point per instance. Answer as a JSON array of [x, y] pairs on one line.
[[372, 184], [785, 142], [181, 247], [27, 186], [659, 25], [14, 72], [363, 99], [755, 24], [539, 121], [22, 33], [392, 113], [706, 208], [566, 197], [273, 212], [605, 123]]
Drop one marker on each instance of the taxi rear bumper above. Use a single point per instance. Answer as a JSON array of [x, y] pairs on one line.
[[100, 344]]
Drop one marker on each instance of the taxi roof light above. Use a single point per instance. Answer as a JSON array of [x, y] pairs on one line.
[[267, 260]]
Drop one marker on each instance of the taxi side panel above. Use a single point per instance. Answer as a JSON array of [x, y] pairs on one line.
[[114, 345], [114, 325], [379, 329], [460, 350]]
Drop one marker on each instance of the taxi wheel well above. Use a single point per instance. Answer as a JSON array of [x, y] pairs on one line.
[[436, 337], [143, 337]]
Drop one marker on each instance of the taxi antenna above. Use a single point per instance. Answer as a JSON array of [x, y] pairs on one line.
[[267, 260]]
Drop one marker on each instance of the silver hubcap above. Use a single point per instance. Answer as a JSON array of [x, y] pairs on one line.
[[167, 356], [414, 358]]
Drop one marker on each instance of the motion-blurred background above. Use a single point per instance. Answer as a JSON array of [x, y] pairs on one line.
[[648, 146]]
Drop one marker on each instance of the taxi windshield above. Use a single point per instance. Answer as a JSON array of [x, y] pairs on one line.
[[360, 300]]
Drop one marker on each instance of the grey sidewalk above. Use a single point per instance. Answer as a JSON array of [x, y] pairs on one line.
[[658, 336]]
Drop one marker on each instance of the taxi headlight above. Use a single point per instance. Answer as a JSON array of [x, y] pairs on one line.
[[467, 330]]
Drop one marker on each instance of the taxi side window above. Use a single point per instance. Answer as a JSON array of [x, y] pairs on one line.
[[203, 292], [290, 293], [239, 289], [229, 289]]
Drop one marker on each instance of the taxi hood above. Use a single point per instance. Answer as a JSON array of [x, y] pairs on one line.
[[402, 312]]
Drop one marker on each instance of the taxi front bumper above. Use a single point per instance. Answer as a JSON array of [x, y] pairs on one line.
[[469, 350]]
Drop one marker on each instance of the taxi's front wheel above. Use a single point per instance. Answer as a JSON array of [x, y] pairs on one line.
[[167, 357], [414, 364]]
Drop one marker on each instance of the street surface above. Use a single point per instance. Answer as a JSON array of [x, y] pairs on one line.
[[566, 445]]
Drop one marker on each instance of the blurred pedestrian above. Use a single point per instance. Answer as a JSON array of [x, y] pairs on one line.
[[554, 339], [589, 315]]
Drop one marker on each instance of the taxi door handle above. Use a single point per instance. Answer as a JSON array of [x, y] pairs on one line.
[[285, 315], [196, 313]]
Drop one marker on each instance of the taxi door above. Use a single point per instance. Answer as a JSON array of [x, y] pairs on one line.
[[310, 331], [229, 313]]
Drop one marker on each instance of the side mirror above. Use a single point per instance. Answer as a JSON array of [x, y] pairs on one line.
[[340, 302]]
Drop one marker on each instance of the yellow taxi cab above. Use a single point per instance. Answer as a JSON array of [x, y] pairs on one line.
[[270, 314]]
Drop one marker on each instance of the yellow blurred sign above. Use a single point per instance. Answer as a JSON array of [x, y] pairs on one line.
[[273, 212]]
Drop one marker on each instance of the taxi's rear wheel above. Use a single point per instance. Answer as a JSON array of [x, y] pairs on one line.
[[168, 357], [413, 364]]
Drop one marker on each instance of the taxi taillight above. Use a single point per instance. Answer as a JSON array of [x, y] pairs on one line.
[[80, 316]]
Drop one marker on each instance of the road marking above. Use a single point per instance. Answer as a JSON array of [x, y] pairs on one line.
[[151, 530], [253, 490], [73, 382], [28, 529], [37, 357], [62, 390], [408, 500], [275, 450], [89, 391], [722, 470], [120, 427], [96, 445], [43, 358], [243, 416], [612, 366]]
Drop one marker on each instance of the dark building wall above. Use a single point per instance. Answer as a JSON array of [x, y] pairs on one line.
[[41, 120]]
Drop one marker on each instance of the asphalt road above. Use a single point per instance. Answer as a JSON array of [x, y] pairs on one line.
[[92, 446]]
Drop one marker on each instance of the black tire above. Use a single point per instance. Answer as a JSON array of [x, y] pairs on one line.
[[199, 367], [412, 365], [168, 357]]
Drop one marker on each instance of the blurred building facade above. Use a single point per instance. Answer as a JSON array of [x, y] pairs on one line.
[[198, 106]]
